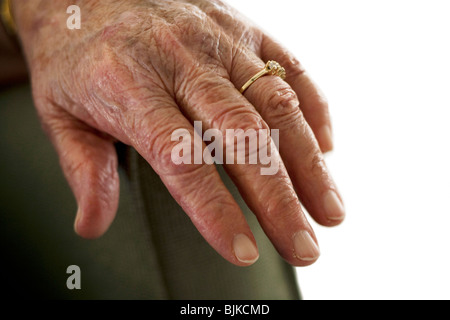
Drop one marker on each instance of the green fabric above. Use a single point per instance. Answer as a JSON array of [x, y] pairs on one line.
[[152, 250]]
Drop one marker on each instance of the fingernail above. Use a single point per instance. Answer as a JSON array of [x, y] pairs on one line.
[[334, 209], [244, 249], [305, 247], [327, 138]]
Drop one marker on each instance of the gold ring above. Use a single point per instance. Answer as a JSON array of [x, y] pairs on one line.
[[271, 68]]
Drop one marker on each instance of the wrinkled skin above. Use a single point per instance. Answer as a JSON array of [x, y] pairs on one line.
[[137, 71]]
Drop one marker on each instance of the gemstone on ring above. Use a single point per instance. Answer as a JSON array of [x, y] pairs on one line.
[[274, 68]]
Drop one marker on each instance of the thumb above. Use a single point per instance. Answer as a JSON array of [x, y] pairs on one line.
[[89, 162]]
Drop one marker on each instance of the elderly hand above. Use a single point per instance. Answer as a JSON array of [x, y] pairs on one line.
[[139, 70]]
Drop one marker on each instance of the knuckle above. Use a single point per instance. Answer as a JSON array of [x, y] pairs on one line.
[[194, 28], [283, 100], [283, 107], [155, 142], [242, 129], [206, 87], [217, 197], [185, 172], [238, 117], [283, 207], [220, 11], [190, 21], [244, 137], [108, 75], [103, 72], [317, 164], [216, 10], [152, 139], [160, 150], [247, 144], [294, 66]]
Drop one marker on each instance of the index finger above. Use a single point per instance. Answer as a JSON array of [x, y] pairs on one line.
[[198, 188]]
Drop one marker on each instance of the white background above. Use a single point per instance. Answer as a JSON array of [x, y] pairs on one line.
[[385, 69]]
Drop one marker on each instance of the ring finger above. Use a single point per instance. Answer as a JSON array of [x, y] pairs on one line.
[[278, 105]]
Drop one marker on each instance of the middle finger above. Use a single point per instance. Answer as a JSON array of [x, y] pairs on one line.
[[216, 102]]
